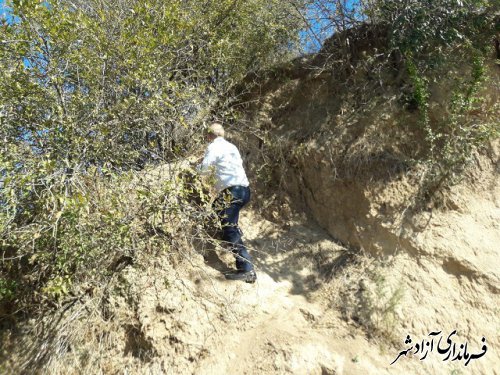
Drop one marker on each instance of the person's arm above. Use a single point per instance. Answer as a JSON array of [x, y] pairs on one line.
[[208, 161], [206, 169]]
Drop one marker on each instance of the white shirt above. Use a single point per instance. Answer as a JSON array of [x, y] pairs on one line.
[[224, 159]]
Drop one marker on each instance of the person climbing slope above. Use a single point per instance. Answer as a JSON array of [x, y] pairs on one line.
[[223, 161]]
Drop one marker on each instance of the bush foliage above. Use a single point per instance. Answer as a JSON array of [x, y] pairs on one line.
[[446, 43], [94, 90], [440, 58]]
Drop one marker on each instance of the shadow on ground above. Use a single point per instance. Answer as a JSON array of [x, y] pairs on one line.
[[304, 255]]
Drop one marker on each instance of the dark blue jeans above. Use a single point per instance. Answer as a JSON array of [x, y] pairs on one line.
[[228, 205]]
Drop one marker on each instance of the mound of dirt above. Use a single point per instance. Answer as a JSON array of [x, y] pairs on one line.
[[417, 268]]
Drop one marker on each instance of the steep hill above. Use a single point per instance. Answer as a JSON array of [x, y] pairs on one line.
[[342, 149], [355, 255]]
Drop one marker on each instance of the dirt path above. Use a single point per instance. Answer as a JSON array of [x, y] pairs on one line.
[[285, 323], [282, 324]]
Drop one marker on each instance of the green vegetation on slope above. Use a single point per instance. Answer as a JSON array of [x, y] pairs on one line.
[[92, 89]]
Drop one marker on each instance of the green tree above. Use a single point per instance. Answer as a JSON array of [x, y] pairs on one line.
[[92, 89]]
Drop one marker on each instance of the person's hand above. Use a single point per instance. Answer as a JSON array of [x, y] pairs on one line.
[[194, 160]]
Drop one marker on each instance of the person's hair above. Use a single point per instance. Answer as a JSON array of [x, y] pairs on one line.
[[216, 129]]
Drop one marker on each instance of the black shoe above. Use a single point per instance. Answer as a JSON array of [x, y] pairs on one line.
[[246, 276]]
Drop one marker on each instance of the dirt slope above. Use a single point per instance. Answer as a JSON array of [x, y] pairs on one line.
[[308, 313], [339, 155]]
